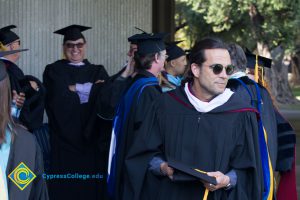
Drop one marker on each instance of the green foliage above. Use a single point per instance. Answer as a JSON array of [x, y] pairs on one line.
[[278, 21]]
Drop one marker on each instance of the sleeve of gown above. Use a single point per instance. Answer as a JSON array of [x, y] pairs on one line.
[[39, 190], [286, 144], [32, 112], [148, 144], [91, 90], [110, 95], [245, 160], [59, 99]]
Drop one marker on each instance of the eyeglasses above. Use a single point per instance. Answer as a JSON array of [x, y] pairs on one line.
[[218, 68], [72, 46], [17, 41]]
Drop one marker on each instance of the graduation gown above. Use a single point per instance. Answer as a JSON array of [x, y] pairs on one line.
[[110, 95], [32, 112], [219, 140], [76, 132], [268, 112], [24, 148], [133, 122]]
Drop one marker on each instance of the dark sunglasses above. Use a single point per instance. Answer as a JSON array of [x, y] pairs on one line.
[[218, 68], [72, 46], [18, 41]]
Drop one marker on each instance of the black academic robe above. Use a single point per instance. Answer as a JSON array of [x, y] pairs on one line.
[[32, 112], [76, 132], [219, 140], [110, 95], [268, 111], [24, 148], [286, 144], [133, 122]]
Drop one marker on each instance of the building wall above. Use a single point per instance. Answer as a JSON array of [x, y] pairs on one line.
[[112, 21]]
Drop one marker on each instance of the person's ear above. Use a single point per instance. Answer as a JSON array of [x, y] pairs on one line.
[[195, 70], [173, 64], [156, 57]]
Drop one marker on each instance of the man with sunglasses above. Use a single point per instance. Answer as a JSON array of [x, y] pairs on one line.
[[28, 92], [77, 134], [202, 126]]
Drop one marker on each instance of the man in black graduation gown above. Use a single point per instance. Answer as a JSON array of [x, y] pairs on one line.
[[28, 92], [118, 83], [239, 60], [76, 133], [202, 125], [149, 61], [281, 137]]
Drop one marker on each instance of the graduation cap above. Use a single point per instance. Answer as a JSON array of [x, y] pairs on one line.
[[174, 51], [134, 38], [5, 53], [184, 172], [72, 32], [3, 72], [256, 61], [261, 61], [150, 43], [7, 36]]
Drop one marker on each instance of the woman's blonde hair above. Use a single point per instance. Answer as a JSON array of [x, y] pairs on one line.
[[5, 107]]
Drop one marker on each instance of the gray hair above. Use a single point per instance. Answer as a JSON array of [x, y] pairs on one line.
[[238, 57]]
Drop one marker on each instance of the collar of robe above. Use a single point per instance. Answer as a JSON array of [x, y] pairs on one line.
[[77, 64], [238, 75], [176, 80], [204, 107]]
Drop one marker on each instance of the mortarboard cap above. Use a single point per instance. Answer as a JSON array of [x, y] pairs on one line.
[[5, 53], [72, 32], [150, 43], [3, 72], [7, 36], [184, 172], [262, 61], [134, 38], [174, 51]]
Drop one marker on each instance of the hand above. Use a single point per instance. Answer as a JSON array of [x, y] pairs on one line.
[[34, 85], [19, 98], [222, 181], [72, 88], [166, 170], [129, 70]]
